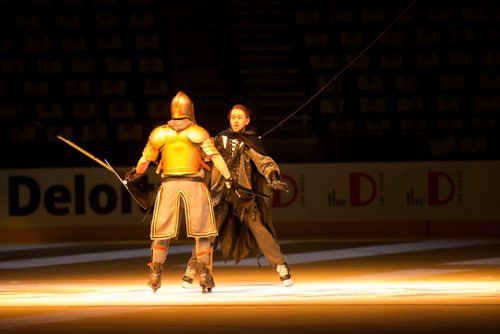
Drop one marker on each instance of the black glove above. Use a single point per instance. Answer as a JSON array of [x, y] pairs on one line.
[[132, 176], [231, 183], [276, 183]]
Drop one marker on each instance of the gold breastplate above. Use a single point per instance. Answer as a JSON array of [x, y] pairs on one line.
[[179, 155]]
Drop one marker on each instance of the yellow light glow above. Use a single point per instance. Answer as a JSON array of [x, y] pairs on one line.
[[319, 292]]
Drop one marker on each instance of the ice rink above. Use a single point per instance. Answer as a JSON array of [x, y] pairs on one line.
[[340, 286]]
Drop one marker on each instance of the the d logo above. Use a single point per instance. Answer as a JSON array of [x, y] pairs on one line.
[[435, 182], [355, 180]]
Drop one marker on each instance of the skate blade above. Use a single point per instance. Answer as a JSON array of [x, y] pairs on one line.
[[153, 287], [287, 282]]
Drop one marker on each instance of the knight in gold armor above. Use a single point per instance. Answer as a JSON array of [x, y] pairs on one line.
[[177, 147]]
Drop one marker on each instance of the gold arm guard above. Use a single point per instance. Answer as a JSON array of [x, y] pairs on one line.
[[208, 146]]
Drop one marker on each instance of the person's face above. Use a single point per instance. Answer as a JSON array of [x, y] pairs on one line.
[[238, 120]]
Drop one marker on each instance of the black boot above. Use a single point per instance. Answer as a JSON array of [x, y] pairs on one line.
[[155, 270], [205, 278]]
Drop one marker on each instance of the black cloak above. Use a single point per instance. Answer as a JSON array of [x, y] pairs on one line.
[[235, 238]]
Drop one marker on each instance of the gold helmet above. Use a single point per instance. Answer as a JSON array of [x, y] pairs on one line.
[[182, 107]]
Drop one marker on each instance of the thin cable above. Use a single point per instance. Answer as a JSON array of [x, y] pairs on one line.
[[342, 71]]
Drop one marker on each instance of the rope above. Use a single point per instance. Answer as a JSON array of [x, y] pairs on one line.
[[341, 71]]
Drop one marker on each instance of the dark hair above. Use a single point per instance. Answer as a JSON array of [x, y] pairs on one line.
[[241, 107]]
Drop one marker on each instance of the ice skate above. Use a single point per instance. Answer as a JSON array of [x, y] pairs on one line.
[[206, 280], [188, 277], [155, 270], [285, 274]]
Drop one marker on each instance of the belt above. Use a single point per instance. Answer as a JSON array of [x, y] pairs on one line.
[[181, 178]]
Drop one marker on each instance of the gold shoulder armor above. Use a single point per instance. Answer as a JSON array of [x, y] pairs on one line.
[[197, 134], [157, 136]]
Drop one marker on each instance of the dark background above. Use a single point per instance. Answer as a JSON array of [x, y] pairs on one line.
[[102, 73]]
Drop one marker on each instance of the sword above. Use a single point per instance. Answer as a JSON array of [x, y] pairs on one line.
[[138, 195], [78, 148], [237, 188]]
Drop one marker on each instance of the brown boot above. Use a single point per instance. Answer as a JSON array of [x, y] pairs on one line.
[[188, 277], [205, 278], [285, 274], [155, 270]]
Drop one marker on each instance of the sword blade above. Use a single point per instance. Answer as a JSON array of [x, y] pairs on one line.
[[251, 191], [81, 150]]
